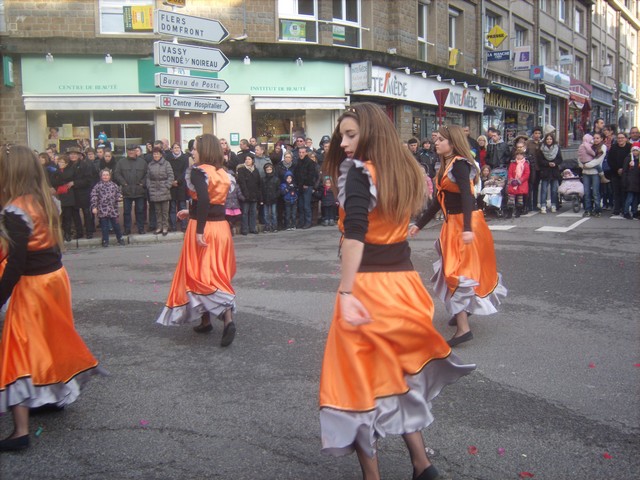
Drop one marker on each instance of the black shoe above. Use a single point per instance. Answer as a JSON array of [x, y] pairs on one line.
[[127, 232], [307, 226], [13, 444], [453, 341], [89, 236], [429, 473], [203, 328], [121, 242], [67, 237], [140, 232], [165, 233], [586, 214], [228, 334], [105, 244], [45, 409]]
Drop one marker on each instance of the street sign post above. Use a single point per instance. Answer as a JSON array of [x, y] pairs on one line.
[[185, 26], [167, 54], [204, 84], [197, 104]]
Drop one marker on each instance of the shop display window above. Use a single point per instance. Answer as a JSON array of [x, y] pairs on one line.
[[271, 126]]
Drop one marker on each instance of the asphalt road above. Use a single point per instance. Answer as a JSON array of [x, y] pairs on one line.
[[555, 393]]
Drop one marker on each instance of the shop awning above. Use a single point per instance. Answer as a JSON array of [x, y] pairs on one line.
[[299, 103], [628, 97], [558, 92], [516, 91], [576, 104], [95, 102]]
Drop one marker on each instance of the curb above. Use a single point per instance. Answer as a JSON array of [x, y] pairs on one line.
[[129, 239]]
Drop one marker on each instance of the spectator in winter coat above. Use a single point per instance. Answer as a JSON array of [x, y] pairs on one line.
[[159, 182], [518, 183], [83, 180], [631, 182], [131, 175], [289, 192], [591, 173], [533, 154], [270, 194], [306, 177], [276, 155], [286, 165], [482, 150], [62, 181], [620, 150], [328, 203], [230, 158], [179, 162], [549, 161], [251, 188], [498, 153], [104, 204], [245, 151], [473, 144], [260, 160]]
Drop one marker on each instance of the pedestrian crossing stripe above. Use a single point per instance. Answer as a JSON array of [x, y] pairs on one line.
[[562, 229]]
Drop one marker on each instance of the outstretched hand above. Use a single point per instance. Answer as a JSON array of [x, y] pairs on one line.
[[353, 312], [182, 214], [200, 240], [413, 230], [467, 237]]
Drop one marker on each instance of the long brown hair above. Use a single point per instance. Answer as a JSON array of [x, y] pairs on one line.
[[399, 179], [210, 150], [21, 174], [458, 141]]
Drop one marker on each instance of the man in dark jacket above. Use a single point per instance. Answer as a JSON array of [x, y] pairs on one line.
[[251, 187], [179, 162], [243, 153], [306, 177], [131, 175], [498, 151], [620, 149], [84, 177]]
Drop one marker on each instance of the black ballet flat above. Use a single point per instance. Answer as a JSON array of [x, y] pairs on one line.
[[453, 341], [14, 444], [429, 473], [228, 334], [203, 328]]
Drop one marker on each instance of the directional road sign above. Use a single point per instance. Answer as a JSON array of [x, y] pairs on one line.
[[205, 84], [169, 54], [186, 26], [198, 104]]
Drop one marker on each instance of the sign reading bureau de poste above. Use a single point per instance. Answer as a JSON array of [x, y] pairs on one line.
[[167, 54], [184, 82], [186, 26], [196, 104]]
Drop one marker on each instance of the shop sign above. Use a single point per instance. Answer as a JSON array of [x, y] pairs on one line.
[[184, 82], [521, 58], [536, 72], [518, 104], [556, 78], [294, 31], [187, 26], [169, 54], [138, 18], [601, 96], [390, 85], [198, 104], [496, 36], [360, 76], [498, 56], [565, 59], [7, 71]]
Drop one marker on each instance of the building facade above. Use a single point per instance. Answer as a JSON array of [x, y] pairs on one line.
[[296, 64]]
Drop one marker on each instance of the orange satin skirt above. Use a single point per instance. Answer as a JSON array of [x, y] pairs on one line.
[[42, 353], [362, 364], [202, 279], [466, 275]]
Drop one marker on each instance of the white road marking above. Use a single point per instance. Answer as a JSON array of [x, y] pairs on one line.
[[570, 214], [562, 229], [501, 227]]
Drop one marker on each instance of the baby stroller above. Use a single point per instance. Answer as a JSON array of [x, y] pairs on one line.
[[571, 189], [494, 191]]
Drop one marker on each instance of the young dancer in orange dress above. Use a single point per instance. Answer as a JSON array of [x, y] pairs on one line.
[[384, 361], [201, 285], [43, 360], [466, 278]]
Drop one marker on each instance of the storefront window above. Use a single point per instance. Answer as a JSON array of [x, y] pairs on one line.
[[271, 126]]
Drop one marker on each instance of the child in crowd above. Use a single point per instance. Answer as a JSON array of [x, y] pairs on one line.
[[289, 191], [328, 204], [517, 183], [270, 193], [62, 181], [232, 211], [586, 153], [485, 174], [104, 204]]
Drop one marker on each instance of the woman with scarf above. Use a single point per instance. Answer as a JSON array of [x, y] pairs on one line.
[[466, 278], [550, 160]]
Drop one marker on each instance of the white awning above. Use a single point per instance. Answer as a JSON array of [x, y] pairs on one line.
[[558, 92], [88, 102], [299, 103]]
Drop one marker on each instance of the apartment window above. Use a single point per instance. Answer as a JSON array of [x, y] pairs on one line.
[[611, 27], [521, 36], [595, 63], [563, 59], [423, 15], [126, 16], [491, 20], [562, 5], [543, 5], [346, 23], [578, 21], [578, 68], [454, 16], [545, 52], [298, 21]]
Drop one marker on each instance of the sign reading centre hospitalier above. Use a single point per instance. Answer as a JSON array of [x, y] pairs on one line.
[[186, 26], [200, 104], [167, 54]]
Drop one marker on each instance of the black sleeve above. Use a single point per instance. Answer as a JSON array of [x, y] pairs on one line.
[[461, 171], [199, 181], [19, 237], [428, 214], [356, 205]]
